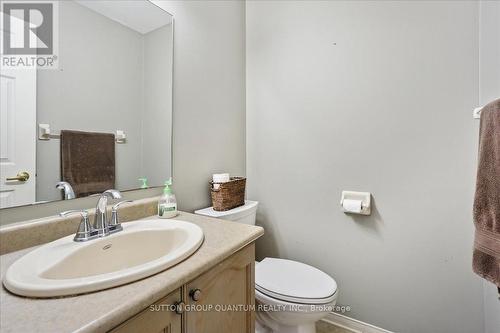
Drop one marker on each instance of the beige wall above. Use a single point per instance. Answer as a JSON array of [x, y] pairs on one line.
[[209, 95], [372, 96]]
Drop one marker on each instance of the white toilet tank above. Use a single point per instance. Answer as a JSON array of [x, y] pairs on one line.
[[244, 214]]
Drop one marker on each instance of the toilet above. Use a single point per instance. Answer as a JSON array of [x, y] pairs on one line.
[[290, 296]]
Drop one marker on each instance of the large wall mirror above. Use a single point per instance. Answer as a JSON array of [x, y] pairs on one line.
[[103, 118]]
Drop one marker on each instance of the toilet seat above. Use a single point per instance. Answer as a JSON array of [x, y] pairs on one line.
[[294, 282]]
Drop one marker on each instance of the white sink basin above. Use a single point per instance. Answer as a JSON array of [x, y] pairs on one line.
[[65, 267]]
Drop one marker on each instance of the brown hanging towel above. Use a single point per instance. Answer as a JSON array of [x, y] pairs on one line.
[[88, 161], [486, 255]]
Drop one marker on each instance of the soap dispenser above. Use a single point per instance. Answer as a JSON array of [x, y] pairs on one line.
[[144, 183], [167, 204]]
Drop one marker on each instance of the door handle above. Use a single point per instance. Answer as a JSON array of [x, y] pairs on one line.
[[21, 176], [195, 294]]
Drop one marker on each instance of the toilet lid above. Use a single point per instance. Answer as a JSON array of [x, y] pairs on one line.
[[293, 281]]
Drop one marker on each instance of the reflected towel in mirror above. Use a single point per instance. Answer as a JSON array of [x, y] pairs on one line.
[[88, 161]]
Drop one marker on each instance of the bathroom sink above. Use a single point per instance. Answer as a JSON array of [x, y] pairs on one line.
[[65, 267]]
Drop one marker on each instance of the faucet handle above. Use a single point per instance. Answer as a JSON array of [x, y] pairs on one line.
[[114, 225], [83, 212], [85, 231]]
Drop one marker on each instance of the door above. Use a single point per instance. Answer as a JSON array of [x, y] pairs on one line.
[[158, 318], [225, 294], [17, 136]]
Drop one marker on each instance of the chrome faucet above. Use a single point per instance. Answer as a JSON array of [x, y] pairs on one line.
[[68, 190], [101, 227], [85, 232], [101, 218]]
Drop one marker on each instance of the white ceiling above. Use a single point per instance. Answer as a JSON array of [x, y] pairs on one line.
[[139, 15]]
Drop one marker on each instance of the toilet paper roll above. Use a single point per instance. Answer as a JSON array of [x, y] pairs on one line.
[[352, 206], [220, 178]]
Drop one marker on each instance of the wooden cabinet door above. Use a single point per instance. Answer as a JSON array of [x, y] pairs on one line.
[[229, 283], [160, 317]]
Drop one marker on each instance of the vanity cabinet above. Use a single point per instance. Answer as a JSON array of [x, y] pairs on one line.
[[158, 318], [223, 293], [220, 300]]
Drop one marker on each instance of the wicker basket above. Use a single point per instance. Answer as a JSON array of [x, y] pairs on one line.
[[228, 195]]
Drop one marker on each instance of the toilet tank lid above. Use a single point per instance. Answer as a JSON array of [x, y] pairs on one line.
[[248, 208]]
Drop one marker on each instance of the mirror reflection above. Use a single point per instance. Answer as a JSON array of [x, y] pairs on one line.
[[103, 118]]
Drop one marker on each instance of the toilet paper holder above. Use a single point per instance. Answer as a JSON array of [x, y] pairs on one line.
[[364, 197]]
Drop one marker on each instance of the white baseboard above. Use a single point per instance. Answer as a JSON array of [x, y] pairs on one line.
[[353, 325]]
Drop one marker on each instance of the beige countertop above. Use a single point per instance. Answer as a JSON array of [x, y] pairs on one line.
[[103, 310]]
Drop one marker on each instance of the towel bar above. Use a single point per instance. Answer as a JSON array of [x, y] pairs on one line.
[[477, 112], [45, 134]]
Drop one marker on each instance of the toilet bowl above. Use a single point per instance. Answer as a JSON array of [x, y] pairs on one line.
[[290, 296]]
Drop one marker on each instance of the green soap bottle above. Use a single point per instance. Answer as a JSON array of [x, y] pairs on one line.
[[144, 182], [167, 204]]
